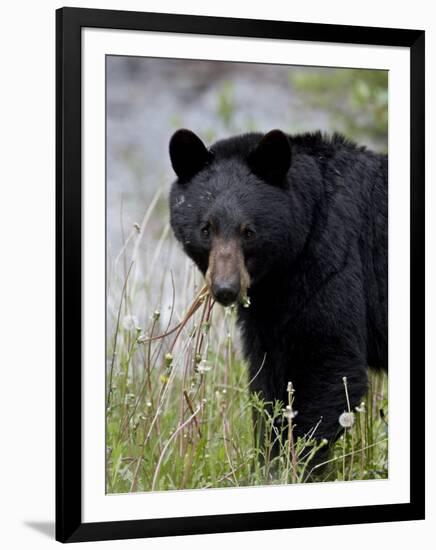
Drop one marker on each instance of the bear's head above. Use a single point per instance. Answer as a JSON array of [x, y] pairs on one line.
[[231, 208]]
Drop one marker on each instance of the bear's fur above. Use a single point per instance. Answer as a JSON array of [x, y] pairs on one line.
[[299, 224]]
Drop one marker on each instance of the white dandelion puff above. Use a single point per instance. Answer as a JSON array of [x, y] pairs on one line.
[[346, 420]]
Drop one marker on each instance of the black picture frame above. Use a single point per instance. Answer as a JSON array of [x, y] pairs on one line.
[[69, 22]]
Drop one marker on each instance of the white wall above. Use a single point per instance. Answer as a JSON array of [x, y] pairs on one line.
[[27, 216]]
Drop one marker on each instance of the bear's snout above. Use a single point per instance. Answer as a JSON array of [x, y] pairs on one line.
[[227, 276]]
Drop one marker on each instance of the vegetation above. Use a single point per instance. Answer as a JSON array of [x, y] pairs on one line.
[[179, 412], [355, 99]]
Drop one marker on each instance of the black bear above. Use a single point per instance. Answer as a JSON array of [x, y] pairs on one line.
[[297, 225]]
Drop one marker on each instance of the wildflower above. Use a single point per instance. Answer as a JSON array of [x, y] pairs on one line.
[[130, 323], [289, 413], [290, 388], [204, 366], [361, 408], [156, 315], [346, 420], [168, 359]]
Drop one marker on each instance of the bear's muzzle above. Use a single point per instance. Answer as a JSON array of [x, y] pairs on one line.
[[227, 276]]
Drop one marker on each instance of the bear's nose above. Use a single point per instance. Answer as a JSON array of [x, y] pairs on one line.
[[226, 292]]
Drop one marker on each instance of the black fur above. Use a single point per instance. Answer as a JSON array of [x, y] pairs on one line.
[[318, 261]]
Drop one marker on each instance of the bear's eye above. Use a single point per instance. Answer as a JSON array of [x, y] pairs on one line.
[[248, 233], [205, 231]]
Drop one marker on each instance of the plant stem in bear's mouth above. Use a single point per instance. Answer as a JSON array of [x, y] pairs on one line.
[[196, 303]]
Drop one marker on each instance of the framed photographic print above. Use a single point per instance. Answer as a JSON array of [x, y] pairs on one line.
[[240, 274]]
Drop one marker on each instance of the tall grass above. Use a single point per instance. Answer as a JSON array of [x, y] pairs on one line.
[[178, 407]]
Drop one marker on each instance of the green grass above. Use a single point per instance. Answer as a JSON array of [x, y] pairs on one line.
[[179, 413]]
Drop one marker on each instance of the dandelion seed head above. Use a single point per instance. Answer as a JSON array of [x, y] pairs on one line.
[[346, 420]]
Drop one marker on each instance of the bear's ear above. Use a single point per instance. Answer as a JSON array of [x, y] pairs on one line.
[[188, 154], [271, 158]]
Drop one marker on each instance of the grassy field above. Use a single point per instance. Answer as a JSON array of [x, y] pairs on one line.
[[179, 413]]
